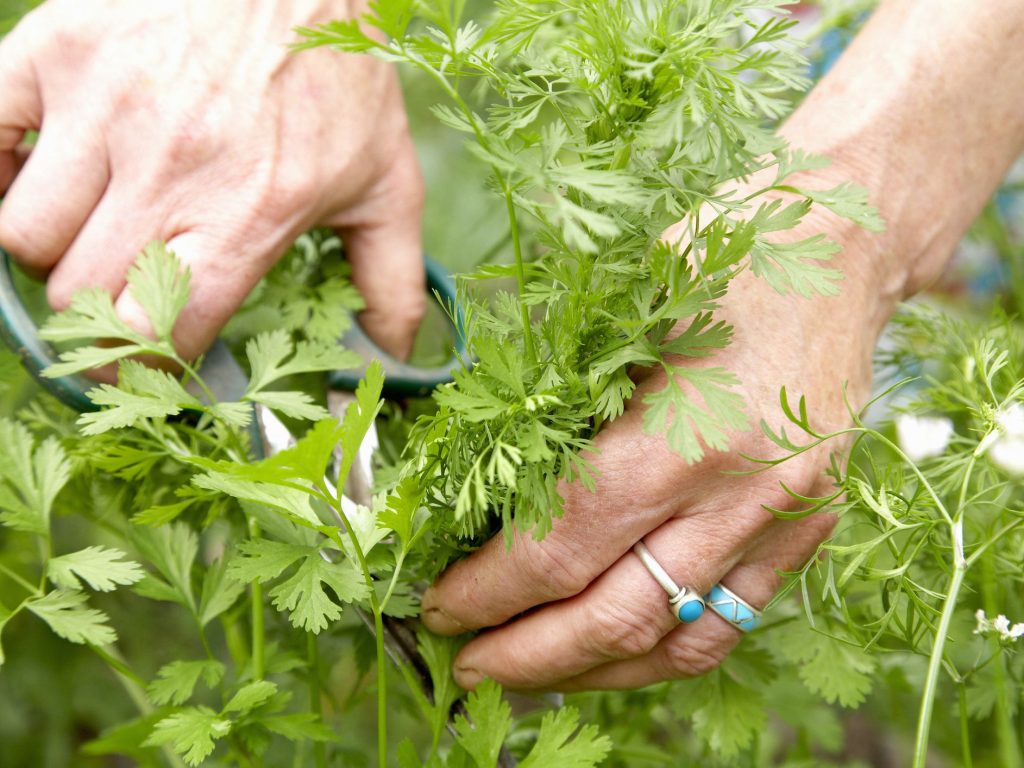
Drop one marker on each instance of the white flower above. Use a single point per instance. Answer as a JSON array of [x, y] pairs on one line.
[[1000, 624], [923, 437], [1010, 419]]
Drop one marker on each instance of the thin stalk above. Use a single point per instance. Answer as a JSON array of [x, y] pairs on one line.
[[517, 251], [256, 608], [313, 659], [378, 625], [965, 729], [935, 663], [1009, 748]]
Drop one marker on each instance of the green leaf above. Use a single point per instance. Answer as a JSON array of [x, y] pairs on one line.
[[490, 717], [191, 733], [103, 569], [219, 592], [675, 411], [66, 613], [359, 417], [562, 742], [264, 559], [726, 714], [142, 393], [312, 609], [30, 478], [172, 550], [273, 356], [90, 316], [292, 502], [160, 283], [175, 682], [250, 696], [295, 405], [828, 665], [299, 726]]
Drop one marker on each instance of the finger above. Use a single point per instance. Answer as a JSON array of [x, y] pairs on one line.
[[632, 497], [120, 226], [693, 650], [10, 164], [383, 242], [219, 284], [21, 106], [51, 198], [624, 613]]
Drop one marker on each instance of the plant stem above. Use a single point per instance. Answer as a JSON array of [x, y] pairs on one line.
[[517, 250], [258, 639], [935, 663], [313, 657], [1009, 748], [965, 729]]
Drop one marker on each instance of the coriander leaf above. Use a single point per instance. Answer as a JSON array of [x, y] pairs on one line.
[[219, 593], [295, 405], [829, 665], [562, 742], [101, 568], [142, 393], [401, 509], [850, 202], [359, 417], [310, 457], [172, 550], [65, 612], [250, 696], [273, 356], [30, 478], [175, 682], [490, 717], [160, 283], [726, 714], [88, 358], [299, 726], [292, 502], [312, 609], [677, 410], [263, 559], [190, 732], [90, 316]]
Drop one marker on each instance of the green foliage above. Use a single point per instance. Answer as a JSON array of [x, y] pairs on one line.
[[601, 124]]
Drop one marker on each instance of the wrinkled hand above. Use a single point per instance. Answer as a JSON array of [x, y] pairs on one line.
[[191, 122], [578, 610]]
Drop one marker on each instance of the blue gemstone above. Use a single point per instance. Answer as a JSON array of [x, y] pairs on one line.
[[690, 611]]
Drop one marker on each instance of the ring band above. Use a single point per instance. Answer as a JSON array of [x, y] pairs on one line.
[[684, 602], [733, 608]]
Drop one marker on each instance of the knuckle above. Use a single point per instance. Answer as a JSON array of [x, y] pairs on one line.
[[622, 634], [25, 240], [555, 571], [690, 656]]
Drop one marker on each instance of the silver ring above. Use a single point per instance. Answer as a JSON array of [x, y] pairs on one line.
[[684, 602], [733, 608]]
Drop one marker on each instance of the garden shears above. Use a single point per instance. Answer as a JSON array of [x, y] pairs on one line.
[[269, 435]]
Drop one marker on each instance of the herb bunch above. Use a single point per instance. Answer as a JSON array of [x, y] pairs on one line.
[[602, 124]]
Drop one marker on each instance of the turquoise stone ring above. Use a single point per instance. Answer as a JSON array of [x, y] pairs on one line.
[[685, 603], [733, 608]]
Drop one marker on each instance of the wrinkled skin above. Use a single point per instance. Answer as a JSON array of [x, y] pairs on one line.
[[192, 122]]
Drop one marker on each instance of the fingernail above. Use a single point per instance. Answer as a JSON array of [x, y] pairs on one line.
[[436, 619], [467, 677]]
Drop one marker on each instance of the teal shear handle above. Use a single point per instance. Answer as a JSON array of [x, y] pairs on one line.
[[20, 332]]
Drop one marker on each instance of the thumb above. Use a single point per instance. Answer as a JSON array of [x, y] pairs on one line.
[[384, 246]]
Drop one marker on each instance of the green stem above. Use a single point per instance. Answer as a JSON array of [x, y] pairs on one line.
[[22, 582], [935, 663], [517, 251], [1009, 748], [256, 596], [313, 658], [965, 729]]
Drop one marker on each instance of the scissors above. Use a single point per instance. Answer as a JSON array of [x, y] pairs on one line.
[[226, 379]]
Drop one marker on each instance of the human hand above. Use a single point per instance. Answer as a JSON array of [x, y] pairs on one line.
[[578, 610], [191, 122]]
